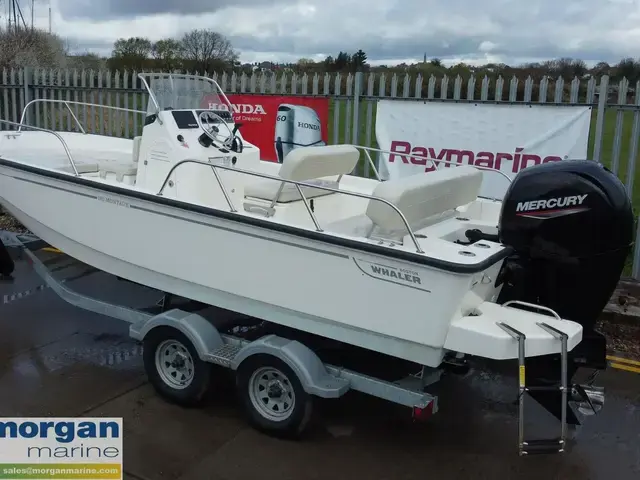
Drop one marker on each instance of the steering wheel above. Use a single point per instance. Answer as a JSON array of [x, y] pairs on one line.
[[230, 141]]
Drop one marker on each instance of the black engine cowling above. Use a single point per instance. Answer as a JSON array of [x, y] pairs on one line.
[[571, 226]]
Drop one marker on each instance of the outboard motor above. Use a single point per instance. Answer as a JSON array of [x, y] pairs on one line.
[[571, 226], [296, 126]]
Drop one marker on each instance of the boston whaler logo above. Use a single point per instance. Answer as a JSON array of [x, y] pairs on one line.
[[552, 207], [401, 276]]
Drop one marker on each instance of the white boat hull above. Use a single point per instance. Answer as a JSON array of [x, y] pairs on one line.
[[380, 265], [256, 271]]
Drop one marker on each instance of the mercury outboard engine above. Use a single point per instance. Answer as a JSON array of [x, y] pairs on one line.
[[571, 226], [296, 126]]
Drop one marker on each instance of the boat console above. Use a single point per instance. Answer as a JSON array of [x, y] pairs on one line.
[[171, 136]]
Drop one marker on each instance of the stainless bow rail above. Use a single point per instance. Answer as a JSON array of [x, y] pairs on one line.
[[232, 208], [67, 104], [51, 132]]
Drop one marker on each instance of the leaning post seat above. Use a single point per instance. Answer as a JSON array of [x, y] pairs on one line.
[[306, 164]]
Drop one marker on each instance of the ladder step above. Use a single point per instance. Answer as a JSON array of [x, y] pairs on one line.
[[544, 446], [545, 388]]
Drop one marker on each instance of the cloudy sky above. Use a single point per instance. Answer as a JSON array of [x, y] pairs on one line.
[[390, 31]]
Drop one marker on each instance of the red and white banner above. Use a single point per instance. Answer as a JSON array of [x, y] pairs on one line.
[[508, 138], [278, 124]]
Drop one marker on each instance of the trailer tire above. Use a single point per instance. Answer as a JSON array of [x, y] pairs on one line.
[[262, 373], [181, 364]]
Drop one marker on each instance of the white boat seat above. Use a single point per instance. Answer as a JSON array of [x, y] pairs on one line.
[[422, 196], [120, 170], [310, 165]]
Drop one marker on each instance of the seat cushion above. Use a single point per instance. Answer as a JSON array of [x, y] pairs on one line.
[[268, 189], [421, 196]]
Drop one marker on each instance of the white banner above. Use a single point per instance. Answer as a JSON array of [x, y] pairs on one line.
[[508, 138]]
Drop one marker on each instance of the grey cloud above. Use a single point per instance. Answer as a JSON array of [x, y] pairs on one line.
[[118, 9], [400, 48], [592, 30]]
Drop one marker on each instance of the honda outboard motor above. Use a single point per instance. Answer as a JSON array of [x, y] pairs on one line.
[[296, 126], [571, 226]]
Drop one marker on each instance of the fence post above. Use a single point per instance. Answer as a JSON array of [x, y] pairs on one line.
[[27, 97], [603, 95], [357, 92], [355, 130]]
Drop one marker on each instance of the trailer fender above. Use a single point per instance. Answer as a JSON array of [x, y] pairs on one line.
[[204, 336], [303, 361]]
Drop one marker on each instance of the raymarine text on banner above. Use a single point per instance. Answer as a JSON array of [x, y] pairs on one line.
[[432, 158]]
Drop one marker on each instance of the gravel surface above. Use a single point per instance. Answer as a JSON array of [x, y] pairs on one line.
[[7, 222], [622, 338]]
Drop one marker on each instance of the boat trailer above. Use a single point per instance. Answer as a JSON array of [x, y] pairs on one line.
[[276, 377]]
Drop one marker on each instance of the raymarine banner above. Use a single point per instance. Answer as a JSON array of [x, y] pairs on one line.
[[508, 138]]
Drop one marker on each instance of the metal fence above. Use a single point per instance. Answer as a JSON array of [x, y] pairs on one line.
[[615, 128]]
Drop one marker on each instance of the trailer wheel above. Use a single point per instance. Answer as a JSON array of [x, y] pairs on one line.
[[174, 368], [273, 397]]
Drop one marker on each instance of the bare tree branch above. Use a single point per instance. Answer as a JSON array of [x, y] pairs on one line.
[[31, 48], [207, 50]]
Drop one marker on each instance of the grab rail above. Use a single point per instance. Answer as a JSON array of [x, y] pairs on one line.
[[55, 134], [71, 102], [294, 182], [450, 162]]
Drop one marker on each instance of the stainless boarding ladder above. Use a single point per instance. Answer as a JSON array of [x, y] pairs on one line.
[[549, 445]]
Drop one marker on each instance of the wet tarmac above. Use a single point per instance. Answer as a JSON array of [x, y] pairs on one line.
[[58, 360]]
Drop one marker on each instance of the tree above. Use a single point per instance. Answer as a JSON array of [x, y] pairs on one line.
[[565, 67], [132, 47], [207, 51], [601, 68], [130, 53], [627, 68], [329, 64], [342, 61], [22, 47], [86, 61], [167, 53], [359, 60]]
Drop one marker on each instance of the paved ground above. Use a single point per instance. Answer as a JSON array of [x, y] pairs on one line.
[[58, 360]]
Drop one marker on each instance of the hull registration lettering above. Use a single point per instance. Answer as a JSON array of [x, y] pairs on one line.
[[113, 201]]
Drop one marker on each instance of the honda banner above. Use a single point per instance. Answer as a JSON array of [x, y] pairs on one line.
[[278, 124], [508, 138]]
